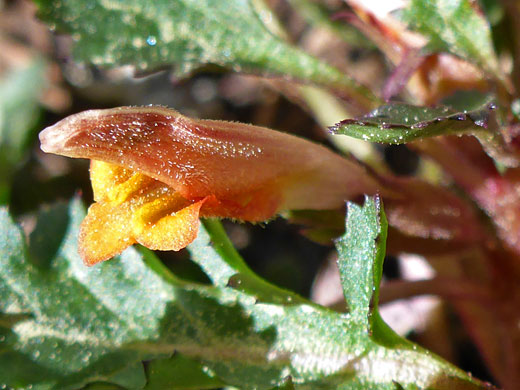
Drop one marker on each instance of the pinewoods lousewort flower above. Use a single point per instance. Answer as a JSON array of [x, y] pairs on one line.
[[154, 172]]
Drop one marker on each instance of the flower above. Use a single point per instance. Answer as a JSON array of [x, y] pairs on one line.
[[154, 172]]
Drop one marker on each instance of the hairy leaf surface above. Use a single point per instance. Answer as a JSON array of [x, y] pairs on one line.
[[398, 123], [64, 325], [188, 34], [458, 27]]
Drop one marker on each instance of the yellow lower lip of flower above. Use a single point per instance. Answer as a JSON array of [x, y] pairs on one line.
[[132, 208]]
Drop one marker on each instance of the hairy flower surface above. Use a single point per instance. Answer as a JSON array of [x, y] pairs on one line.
[[155, 172]]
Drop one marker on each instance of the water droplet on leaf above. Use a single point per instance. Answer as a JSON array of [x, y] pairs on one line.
[[151, 40]]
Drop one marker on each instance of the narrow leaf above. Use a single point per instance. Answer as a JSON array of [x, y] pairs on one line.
[[469, 113], [361, 253], [215, 254], [398, 123], [188, 33]]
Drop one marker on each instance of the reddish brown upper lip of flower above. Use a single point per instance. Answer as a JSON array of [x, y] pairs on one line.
[[160, 144]]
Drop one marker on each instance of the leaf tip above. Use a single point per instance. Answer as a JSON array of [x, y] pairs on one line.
[[333, 129]]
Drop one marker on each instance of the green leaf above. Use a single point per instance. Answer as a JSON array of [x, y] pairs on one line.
[[465, 113], [179, 373], [215, 254], [46, 238], [188, 33], [76, 326], [72, 325], [398, 123], [361, 253], [19, 110], [458, 27]]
